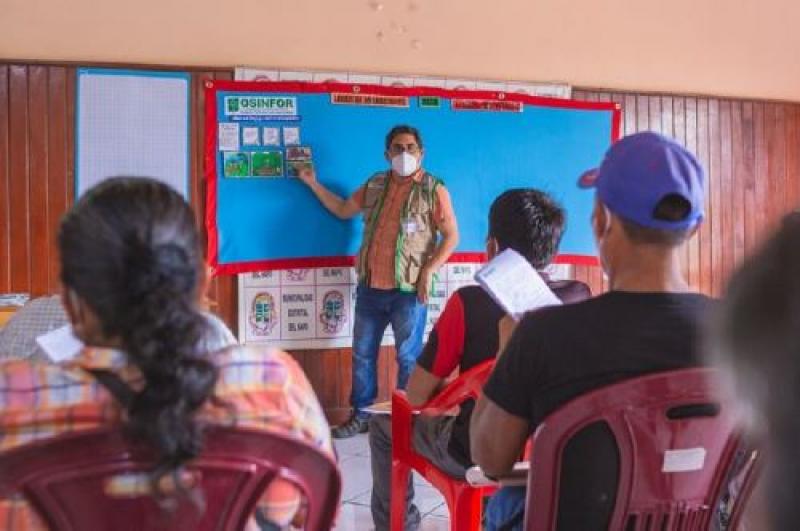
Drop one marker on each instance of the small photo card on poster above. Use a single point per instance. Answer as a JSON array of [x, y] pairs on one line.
[[250, 136], [332, 275], [268, 164], [263, 314], [228, 137], [294, 167], [298, 153], [236, 164], [298, 312], [334, 311], [262, 278], [291, 136], [295, 277], [272, 136]]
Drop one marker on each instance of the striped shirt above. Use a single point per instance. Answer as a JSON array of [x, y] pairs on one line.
[[262, 388]]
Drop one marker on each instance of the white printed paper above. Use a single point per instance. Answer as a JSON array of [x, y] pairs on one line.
[[250, 136], [228, 138], [518, 477], [515, 285], [291, 136], [685, 460], [60, 344], [272, 136]]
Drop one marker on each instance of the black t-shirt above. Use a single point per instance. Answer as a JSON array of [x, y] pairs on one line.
[[561, 352], [465, 335]]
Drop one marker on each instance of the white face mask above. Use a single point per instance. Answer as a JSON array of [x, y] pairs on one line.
[[404, 164]]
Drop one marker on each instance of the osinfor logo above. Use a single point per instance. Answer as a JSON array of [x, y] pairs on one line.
[[260, 105]]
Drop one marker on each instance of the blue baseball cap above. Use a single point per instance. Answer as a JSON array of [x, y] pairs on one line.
[[639, 171]]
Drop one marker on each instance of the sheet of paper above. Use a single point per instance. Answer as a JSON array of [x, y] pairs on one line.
[[515, 285], [228, 137], [518, 477], [250, 136], [272, 136], [60, 344], [291, 136], [380, 408]]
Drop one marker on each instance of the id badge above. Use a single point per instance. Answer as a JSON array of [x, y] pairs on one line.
[[410, 226]]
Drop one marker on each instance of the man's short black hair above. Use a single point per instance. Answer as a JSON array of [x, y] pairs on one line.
[[403, 129], [528, 221], [672, 207]]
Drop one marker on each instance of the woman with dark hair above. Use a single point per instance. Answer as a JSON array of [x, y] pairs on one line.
[[757, 344], [132, 272]]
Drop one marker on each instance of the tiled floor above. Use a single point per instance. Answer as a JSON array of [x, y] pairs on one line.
[[357, 478]]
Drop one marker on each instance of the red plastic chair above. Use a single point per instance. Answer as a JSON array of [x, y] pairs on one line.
[[463, 500], [638, 414], [65, 479]]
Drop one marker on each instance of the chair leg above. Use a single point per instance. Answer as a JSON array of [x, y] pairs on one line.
[[466, 511], [397, 511]]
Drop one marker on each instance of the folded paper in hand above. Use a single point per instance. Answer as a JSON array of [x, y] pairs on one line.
[[515, 285]]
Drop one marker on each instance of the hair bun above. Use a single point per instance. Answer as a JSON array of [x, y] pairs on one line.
[[163, 269]]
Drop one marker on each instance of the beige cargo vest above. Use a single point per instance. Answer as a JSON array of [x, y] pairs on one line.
[[412, 249]]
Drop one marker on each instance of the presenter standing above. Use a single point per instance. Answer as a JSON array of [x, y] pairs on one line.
[[410, 230]]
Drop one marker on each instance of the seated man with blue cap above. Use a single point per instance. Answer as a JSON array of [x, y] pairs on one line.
[[649, 194]]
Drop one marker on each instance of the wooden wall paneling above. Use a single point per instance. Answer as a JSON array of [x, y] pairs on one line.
[[642, 112], [59, 185], [704, 235], [654, 114], [737, 182], [330, 384], [20, 254], [747, 184], [714, 186], [792, 158], [778, 198], [690, 132], [39, 224], [761, 171], [344, 380], [629, 114], [726, 184], [5, 193]]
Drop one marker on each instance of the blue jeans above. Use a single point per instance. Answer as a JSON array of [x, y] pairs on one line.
[[505, 510], [375, 310]]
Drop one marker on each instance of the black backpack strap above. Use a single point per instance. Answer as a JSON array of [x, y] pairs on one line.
[[121, 392]]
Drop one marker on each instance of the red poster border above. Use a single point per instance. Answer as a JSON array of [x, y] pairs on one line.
[[211, 88]]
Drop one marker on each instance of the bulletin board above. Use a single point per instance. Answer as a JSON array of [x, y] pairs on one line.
[[480, 143], [132, 123]]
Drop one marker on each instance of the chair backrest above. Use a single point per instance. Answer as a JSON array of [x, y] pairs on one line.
[[675, 441], [83, 481], [467, 385]]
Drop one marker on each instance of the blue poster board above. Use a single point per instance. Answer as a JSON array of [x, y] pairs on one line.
[[479, 143]]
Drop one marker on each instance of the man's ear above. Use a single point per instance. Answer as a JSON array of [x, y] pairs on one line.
[[599, 220], [492, 247]]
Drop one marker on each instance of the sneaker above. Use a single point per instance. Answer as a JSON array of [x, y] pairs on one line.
[[352, 427]]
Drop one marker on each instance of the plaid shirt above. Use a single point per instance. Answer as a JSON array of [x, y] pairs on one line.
[[264, 389], [382, 251]]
